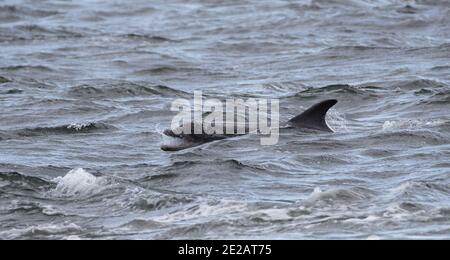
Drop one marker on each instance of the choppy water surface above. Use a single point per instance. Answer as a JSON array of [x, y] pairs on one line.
[[88, 84]]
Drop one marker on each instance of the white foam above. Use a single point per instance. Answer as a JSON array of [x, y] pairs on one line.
[[332, 194], [315, 195], [78, 182], [411, 124], [396, 213], [78, 126], [205, 210], [337, 121], [362, 221], [372, 218], [373, 237], [404, 187], [43, 230], [273, 214], [55, 229], [50, 210], [75, 238]]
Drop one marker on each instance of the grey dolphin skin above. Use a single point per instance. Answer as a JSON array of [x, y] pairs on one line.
[[313, 119]]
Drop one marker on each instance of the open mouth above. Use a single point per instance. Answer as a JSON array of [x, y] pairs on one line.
[[173, 142]]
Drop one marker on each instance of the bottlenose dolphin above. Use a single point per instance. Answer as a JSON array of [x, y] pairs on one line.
[[313, 119]]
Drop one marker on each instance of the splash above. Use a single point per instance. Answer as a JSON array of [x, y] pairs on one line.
[[412, 124], [205, 210], [337, 121], [78, 182], [80, 126], [42, 230], [333, 195]]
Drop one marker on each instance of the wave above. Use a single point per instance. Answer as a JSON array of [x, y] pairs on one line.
[[4, 80], [21, 11], [64, 129], [15, 181], [413, 137], [230, 164], [417, 84], [162, 201], [160, 70], [139, 225], [44, 231], [272, 215], [412, 124], [339, 3], [8, 36], [124, 89], [30, 32], [287, 86], [59, 32], [421, 188], [408, 9], [11, 92], [339, 89], [126, 12], [204, 209], [439, 98], [441, 68], [21, 205], [148, 38], [426, 92], [337, 195], [28, 68], [301, 7], [356, 48]]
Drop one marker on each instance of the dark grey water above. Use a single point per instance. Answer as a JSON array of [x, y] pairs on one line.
[[88, 84]]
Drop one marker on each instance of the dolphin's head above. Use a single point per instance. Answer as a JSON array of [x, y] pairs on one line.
[[173, 141], [176, 142]]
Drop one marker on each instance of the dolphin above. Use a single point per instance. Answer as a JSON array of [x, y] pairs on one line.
[[312, 119]]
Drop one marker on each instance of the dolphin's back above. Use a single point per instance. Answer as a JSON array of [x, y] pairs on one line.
[[314, 117]]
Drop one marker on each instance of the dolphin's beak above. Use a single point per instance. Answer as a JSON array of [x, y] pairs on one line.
[[168, 148], [179, 142], [176, 142]]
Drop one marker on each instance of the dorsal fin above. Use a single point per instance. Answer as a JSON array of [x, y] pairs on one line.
[[314, 117]]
